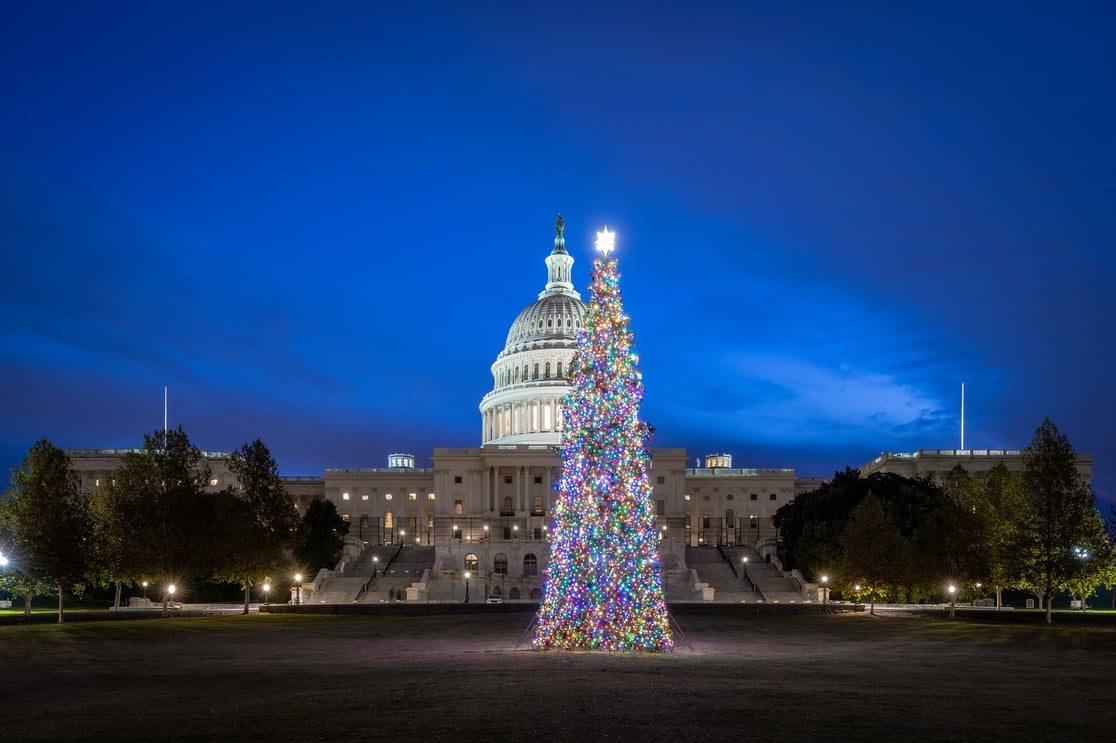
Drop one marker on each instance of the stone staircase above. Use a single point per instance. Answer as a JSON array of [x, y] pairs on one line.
[[769, 582], [724, 570], [406, 567]]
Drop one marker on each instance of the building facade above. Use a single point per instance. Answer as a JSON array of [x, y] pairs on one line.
[[482, 513]]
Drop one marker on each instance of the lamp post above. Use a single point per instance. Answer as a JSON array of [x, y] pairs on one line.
[[375, 564], [402, 537], [952, 599], [267, 592], [3, 560], [467, 574], [825, 589], [298, 589], [144, 584], [168, 594]]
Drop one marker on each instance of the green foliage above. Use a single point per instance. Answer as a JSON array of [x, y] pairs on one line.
[[873, 552], [259, 524], [1057, 519], [46, 523], [155, 519], [811, 526], [321, 537]]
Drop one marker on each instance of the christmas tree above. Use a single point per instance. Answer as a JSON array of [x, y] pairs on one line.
[[604, 587]]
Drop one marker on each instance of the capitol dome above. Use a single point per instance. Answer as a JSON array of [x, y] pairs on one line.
[[531, 375]]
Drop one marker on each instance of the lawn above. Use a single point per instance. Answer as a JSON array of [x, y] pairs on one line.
[[472, 677]]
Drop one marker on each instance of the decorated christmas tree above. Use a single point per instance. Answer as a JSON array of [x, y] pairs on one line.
[[604, 585]]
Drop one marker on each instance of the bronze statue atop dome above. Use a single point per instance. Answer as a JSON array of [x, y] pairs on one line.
[[559, 225]]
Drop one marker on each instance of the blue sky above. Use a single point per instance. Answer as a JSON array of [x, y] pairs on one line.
[[315, 225]]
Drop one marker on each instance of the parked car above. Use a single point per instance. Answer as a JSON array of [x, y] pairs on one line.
[[494, 599]]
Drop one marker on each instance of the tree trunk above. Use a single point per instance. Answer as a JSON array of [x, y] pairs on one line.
[[1049, 605], [999, 598], [116, 601], [61, 600], [247, 597], [27, 602]]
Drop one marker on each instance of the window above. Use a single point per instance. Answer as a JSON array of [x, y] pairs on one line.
[[705, 497], [364, 496], [530, 565], [412, 496], [686, 496], [345, 517], [773, 496], [457, 507], [754, 496], [704, 522], [660, 508], [513, 593], [508, 509], [547, 371], [507, 479], [457, 479], [387, 496], [471, 561], [430, 496], [388, 523], [538, 479], [537, 509], [500, 564], [344, 496], [660, 479]]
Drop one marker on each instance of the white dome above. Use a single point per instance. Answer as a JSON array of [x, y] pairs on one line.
[[530, 376]]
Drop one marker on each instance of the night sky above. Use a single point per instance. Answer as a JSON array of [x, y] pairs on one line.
[[316, 225]]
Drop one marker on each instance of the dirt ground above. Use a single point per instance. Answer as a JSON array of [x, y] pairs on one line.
[[473, 677]]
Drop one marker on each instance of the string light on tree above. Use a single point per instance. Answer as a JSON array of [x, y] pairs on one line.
[[604, 587]]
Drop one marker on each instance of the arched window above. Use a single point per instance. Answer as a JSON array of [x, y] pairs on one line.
[[537, 509], [508, 509], [530, 565], [387, 519], [513, 593], [559, 369], [516, 377], [536, 594], [496, 591], [471, 561], [500, 564], [546, 371], [535, 372]]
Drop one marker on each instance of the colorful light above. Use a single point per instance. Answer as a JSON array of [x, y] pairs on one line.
[[604, 587]]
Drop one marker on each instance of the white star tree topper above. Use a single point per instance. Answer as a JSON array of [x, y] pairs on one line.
[[606, 241]]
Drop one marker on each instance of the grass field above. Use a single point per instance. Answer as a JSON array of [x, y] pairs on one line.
[[472, 677]]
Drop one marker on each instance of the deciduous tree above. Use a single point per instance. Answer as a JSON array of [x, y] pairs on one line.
[[46, 518], [262, 526], [1058, 517]]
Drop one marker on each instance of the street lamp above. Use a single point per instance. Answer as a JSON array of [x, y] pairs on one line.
[[467, 574], [168, 594], [825, 589], [267, 593], [952, 599], [3, 560], [375, 564], [144, 589], [298, 589], [402, 534]]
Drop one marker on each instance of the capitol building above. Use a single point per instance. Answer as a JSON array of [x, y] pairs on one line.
[[474, 525]]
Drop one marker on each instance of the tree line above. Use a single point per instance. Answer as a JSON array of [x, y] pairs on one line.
[[888, 537], [155, 520]]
